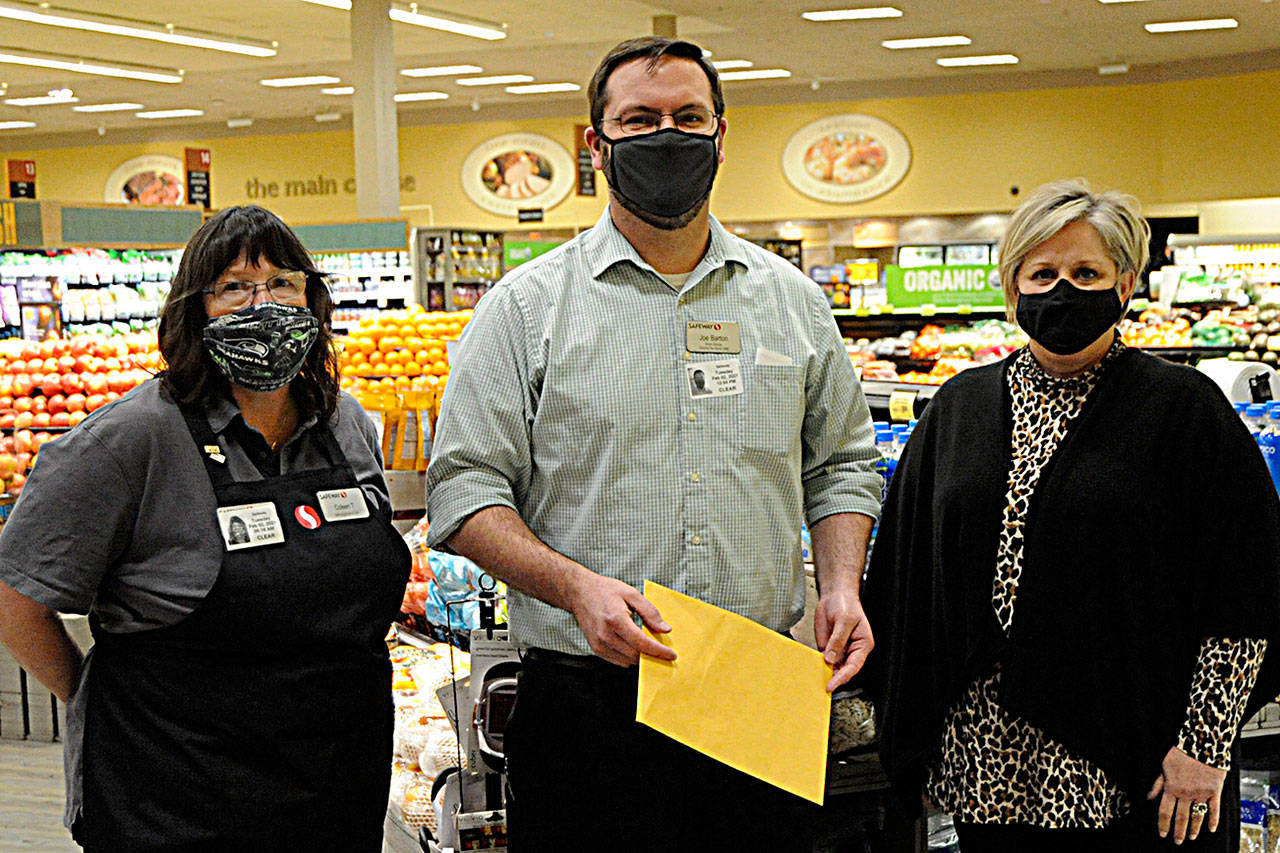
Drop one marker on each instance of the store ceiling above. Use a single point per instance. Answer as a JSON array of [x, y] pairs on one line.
[[1058, 42]]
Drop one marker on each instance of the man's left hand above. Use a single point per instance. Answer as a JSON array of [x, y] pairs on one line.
[[843, 633]]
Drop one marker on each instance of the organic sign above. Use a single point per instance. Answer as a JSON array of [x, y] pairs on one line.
[[977, 285]]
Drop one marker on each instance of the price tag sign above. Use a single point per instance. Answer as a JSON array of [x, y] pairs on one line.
[[928, 310], [902, 405], [861, 311], [964, 308]]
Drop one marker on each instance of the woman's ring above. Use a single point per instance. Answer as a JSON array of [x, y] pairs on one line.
[[1199, 809]]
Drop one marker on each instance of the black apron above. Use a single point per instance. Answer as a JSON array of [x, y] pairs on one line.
[[264, 719]]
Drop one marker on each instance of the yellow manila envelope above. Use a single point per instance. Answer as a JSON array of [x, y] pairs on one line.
[[738, 692]]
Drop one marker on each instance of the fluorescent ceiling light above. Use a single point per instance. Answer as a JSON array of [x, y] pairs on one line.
[[322, 117], [441, 70], [756, 74], [102, 68], [131, 28], [239, 122], [339, 90], [14, 125], [313, 80], [495, 80], [729, 64], [106, 108], [993, 59], [866, 13], [543, 88], [420, 96], [420, 18], [1122, 1], [929, 41], [345, 5], [1192, 26], [1115, 67], [181, 113], [41, 101]]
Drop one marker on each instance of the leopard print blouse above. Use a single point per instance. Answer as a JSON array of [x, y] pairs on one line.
[[993, 767]]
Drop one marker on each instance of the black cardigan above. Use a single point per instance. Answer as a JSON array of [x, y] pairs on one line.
[[1154, 525]]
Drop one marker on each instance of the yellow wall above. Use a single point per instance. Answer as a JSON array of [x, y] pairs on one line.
[[1169, 144]]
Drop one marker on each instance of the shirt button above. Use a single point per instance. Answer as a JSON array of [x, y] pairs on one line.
[[697, 540], [694, 477], [693, 416]]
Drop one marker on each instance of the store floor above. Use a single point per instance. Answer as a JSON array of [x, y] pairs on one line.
[[31, 798]]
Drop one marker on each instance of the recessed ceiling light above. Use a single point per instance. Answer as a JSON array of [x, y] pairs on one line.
[[339, 90], [476, 30], [420, 96], [239, 122], [992, 59], [1115, 67], [543, 88], [929, 41], [756, 74], [180, 113], [313, 80], [441, 70], [107, 108], [102, 68], [323, 117], [15, 125], [130, 28], [730, 64], [41, 101], [495, 80], [863, 14], [1192, 26]]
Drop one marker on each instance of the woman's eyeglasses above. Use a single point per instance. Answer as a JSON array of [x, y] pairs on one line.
[[288, 286]]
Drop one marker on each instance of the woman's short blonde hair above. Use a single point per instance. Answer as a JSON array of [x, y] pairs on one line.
[[1052, 207]]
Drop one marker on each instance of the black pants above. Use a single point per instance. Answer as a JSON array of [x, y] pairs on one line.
[[584, 775]]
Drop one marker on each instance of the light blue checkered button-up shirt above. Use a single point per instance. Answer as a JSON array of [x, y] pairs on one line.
[[569, 401]]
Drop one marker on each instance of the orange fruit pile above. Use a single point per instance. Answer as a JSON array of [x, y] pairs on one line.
[[400, 350]]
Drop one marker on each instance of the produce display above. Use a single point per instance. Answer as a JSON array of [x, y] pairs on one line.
[[948, 349], [49, 386], [399, 350], [1253, 331]]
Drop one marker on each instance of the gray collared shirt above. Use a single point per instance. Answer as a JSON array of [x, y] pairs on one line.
[[571, 402], [119, 515]]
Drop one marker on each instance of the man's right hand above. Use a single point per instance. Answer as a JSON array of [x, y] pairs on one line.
[[604, 608]]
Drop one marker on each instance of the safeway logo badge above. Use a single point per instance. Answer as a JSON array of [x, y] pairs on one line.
[[307, 517]]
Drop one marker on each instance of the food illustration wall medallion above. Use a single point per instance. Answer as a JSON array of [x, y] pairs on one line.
[[151, 179], [846, 158], [518, 170]]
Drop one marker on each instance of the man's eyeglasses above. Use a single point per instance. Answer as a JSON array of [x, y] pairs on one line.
[[288, 286], [691, 120]]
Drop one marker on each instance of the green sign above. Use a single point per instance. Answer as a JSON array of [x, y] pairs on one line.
[[372, 236], [89, 226], [517, 252], [976, 285]]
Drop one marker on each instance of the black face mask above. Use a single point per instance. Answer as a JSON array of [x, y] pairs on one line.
[[665, 173], [1065, 319]]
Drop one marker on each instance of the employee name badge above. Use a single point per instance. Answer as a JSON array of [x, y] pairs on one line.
[[712, 337], [250, 525], [714, 378], [343, 504]]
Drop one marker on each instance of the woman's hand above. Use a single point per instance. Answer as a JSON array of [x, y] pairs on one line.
[[1183, 782]]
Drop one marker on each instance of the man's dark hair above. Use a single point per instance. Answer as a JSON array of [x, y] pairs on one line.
[[652, 49], [257, 234]]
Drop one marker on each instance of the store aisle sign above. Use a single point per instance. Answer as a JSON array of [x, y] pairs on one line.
[[147, 180], [846, 158], [198, 163], [518, 171], [22, 178], [977, 285]]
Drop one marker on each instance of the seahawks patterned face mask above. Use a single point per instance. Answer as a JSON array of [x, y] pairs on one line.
[[262, 347]]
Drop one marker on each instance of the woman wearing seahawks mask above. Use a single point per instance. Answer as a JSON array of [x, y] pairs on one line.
[[1075, 580], [226, 526]]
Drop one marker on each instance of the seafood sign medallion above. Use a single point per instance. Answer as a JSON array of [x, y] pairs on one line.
[[516, 171], [846, 158], [148, 180]]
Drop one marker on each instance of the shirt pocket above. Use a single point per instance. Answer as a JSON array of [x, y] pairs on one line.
[[772, 409]]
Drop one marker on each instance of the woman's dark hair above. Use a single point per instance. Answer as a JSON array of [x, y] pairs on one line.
[[651, 49], [255, 234]]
